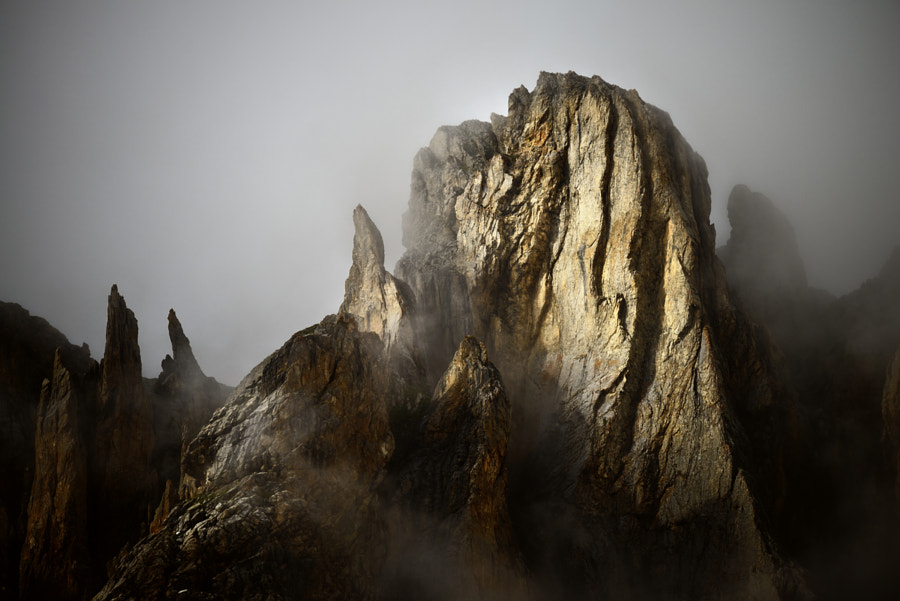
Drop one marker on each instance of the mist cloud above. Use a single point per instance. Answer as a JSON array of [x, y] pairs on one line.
[[208, 156]]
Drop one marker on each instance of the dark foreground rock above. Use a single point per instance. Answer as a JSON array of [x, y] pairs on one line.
[[841, 516], [28, 346], [98, 458]]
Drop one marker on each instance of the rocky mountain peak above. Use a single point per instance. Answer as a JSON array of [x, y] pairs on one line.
[[182, 355], [379, 302], [573, 238], [121, 365]]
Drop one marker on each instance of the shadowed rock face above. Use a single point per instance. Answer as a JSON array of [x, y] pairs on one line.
[[891, 408], [94, 476], [123, 437], [184, 399], [842, 517], [56, 562], [452, 535], [27, 347]]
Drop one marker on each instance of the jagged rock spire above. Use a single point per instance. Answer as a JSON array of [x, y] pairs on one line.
[[121, 365], [456, 484], [378, 301], [182, 358], [124, 430], [762, 252]]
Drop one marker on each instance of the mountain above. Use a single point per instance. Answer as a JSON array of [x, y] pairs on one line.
[[561, 392]]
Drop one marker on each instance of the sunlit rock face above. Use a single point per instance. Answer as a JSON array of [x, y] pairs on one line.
[[573, 238], [379, 302]]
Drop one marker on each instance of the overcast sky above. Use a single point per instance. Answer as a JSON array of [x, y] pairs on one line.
[[207, 156]]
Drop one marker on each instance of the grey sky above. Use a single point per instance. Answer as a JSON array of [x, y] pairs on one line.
[[207, 156]]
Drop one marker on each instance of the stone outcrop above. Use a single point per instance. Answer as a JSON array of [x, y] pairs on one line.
[[573, 238], [560, 394], [27, 348], [184, 399], [453, 536], [761, 256], [635, 446], [121, 482], [56, 560], [379, 302], [835, 354], [766, 272], [287, 476]]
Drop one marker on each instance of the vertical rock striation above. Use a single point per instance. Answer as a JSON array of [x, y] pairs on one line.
[[379, 302], [28, 345], [121, 479], [573, 238], [55, 560]]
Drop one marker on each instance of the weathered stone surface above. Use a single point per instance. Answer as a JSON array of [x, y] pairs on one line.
[[379, 302], [452, 516], [183, 399], [287, 476], [95, 479], [27, 348], [121, 481], [55, 560], [643, 440], [573, 238]]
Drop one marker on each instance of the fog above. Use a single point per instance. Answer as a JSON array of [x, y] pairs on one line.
[[207, 156]]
